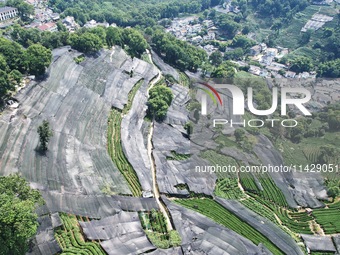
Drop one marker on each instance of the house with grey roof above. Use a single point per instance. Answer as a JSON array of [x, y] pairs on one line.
[[7, 13]]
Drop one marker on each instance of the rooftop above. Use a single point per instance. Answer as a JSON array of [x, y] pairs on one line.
[[47, 26], [6, 9]]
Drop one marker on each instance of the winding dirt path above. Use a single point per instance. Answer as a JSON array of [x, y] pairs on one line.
[[152, 160]]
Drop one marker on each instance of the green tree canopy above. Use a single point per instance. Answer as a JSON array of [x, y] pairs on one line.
[[216, 58], [330, 69], [37, 59], [45, 134], [160, 98], [243, 42], [240, 134], [3, 63], [225, 70], [13, 54], [18, 222], [136, 42], [327, 153], [301, 64], [113, 36], [5, 86], [86, 42]]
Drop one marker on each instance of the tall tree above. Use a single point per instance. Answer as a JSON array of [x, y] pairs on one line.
[[113, 36], [160, 98], [45, 133], [86, 42], [37, 58], [18, 222], [216, 58], [136, 42]]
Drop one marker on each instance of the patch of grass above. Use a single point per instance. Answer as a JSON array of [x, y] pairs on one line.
[[178, 156], [184, 79], [155, 228], [228, 188], [304, 52], [290, 36], [79, 59], [225, 141], [218, 159], [146, 58], [321, 253], [270, 191], [243, 74]]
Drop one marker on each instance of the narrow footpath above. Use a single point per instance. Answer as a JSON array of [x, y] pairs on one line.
[[152, 160]]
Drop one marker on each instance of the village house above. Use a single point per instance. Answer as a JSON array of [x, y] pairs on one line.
[[210, 36], [197, 39], [264, 73], [263, 46], [50, 26], [255, 50], [7, 13], [70, 24], [209, 49], [93, 23], [290, 74], [266, 60], [272, 52], [254, 70], [55, 16], [278, 65], [273, 68], [208, 23]]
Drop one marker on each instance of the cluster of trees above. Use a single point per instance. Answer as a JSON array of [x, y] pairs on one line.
[[241, 41], [18, 221], [27, 37], [331, 115], [14, 60], [305, 129], [328, 120], [176, 52], [160, 98], [84, 40], [226, 23], [326, 60], [301, 64], [224, 70], [129, 13], [330, 69], [330, 44], [279, 8], [332, 182], [92, 40]]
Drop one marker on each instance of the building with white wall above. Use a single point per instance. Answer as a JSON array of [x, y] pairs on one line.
[[7, 13]]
